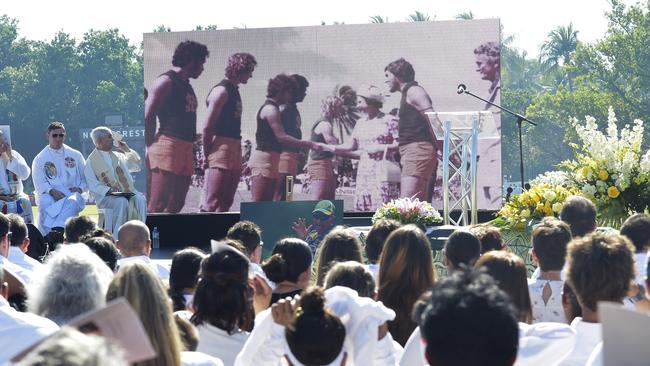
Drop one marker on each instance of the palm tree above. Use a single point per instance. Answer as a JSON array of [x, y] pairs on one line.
[[468, 15], [378, 19], [419, 17], [557, 50]]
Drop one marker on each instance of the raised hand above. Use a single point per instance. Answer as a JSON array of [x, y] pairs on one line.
[[300, 228]]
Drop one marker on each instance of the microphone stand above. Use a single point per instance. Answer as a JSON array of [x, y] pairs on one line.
[[520, 120]]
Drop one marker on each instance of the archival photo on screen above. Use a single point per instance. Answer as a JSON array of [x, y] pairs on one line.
[[325, 112]]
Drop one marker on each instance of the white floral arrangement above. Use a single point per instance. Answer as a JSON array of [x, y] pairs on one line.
[[408, 210], [609, 167], [552, 178]]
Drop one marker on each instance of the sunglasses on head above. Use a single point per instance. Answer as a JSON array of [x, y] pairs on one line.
[[58, 135]]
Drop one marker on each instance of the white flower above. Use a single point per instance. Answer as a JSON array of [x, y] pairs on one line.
[[588, 190], [549, 196], [557, 207], [525, 213]]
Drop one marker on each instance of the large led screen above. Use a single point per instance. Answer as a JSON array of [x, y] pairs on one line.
[[241, 127]]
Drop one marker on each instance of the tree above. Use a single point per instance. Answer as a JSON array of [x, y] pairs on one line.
[[620, 62], [162, 28], [419, 17], [378, 19], [468, 15], [557, 50]]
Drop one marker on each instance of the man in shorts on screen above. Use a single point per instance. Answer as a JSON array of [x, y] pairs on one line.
[[169, 148], [222, 134], [416, 138]]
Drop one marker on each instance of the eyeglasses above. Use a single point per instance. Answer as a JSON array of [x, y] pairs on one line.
[[55, 135]]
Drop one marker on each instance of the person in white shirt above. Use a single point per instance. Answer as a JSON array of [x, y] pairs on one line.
[[23, 275], [19, 243], [108, 174], [19, 330], [133, 241], [250, 235], [225, 304], [550, 239], [13, 171], [637, 229], [593, 280], [59, 181]]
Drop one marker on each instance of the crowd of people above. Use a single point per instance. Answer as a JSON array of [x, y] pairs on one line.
[[350, 303]]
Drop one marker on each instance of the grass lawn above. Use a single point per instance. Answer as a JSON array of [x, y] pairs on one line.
[[90, 210]]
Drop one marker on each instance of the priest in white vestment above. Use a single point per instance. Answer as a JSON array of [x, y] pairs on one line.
[[13, 170], [108, 173], [59, 182]]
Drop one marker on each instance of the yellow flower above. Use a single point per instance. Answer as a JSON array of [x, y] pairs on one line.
[[613, 192], [585, 171], [603, 175], [536, 198], [525, 213]]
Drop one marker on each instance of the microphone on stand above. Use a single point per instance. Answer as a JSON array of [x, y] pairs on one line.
[[461, 89]]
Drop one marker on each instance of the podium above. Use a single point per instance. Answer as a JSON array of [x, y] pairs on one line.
[[460, 132]]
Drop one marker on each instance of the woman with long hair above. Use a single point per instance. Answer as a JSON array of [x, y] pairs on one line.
[[289, 267], [339, 245], [405, 273], [225, 303], [509, 271], [141, 287], [183, 276]]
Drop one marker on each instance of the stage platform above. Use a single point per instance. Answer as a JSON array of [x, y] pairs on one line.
[[180, 231]]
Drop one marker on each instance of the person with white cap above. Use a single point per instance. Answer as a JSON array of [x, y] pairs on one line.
[[374, 143]]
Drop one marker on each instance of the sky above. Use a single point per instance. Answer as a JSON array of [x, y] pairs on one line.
[[529, 21]]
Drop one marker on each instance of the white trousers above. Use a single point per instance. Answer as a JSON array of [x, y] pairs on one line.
[[71, 206], [119, 207]]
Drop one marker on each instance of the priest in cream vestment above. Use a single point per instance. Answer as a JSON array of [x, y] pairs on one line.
[[108, 173]]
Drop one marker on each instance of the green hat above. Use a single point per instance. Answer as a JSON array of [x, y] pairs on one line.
[[326, 207]]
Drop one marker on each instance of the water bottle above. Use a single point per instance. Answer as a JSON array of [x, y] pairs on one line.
[[155, 235]]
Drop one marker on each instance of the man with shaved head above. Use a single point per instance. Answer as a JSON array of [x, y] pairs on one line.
[[134, 242]]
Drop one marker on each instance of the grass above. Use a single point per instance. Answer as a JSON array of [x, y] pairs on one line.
[[89, 210]]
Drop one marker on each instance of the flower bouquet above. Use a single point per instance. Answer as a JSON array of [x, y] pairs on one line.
[[541, 200], [408, 210], [610, 169]]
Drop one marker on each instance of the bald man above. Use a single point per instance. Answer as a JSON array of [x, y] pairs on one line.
[[134, 242]]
